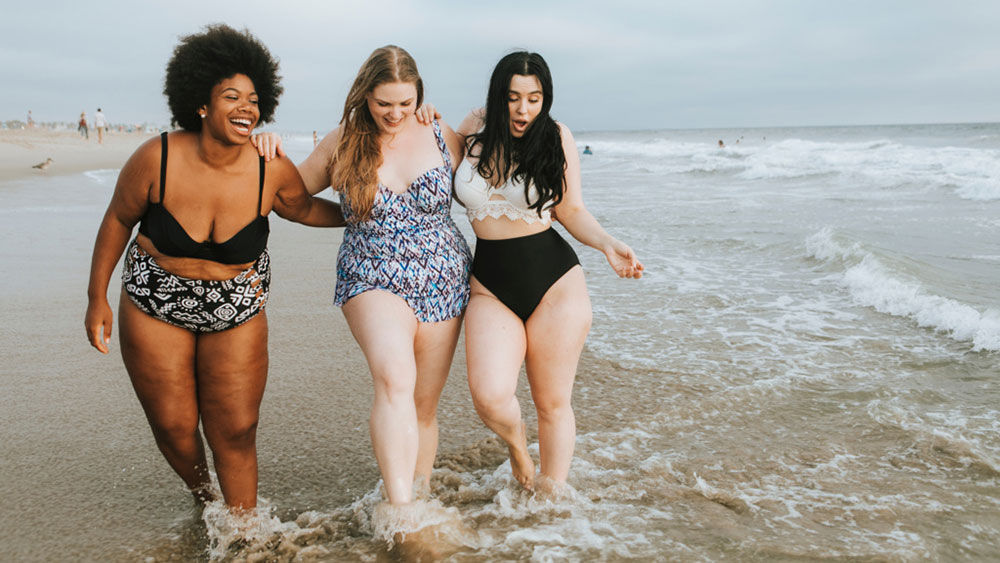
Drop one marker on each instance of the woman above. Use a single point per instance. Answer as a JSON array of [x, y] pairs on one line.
[[193, 329], [81, 127], [529, 299], [403, 266]]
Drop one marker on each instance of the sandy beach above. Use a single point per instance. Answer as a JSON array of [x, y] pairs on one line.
[[811, 354], [20, 149]]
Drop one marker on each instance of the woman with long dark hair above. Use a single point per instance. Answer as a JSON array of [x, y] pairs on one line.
[[529, 299]]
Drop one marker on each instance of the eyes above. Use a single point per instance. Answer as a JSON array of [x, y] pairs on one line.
[[405, 104], [531, 99], [234, 98]]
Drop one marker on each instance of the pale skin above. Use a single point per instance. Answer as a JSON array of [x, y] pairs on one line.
[[181, 376], [549, 343], [409, 360]]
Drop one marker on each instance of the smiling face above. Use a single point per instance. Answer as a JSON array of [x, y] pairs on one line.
[[232, 111], [391, 104], [524, 102]]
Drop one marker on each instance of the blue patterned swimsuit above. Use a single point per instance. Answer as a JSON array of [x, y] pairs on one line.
[[409, 246]]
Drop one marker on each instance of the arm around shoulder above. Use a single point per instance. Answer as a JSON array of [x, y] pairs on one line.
[[293, 201], [315, 169]]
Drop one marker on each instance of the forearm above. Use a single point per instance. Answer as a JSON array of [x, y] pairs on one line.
[[108, 247], [584, 227], [314, 212]]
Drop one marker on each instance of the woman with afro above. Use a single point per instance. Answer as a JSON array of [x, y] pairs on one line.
[[192, 326]]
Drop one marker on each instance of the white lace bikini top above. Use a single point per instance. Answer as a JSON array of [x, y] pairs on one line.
[[478, 198]]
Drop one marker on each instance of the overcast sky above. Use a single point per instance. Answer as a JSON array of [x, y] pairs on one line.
[[616, 64]]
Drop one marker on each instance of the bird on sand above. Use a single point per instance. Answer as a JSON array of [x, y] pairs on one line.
[[43, 165]]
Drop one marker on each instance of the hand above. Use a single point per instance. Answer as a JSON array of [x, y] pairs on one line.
[[623, 260], [427, 113], [268, 145], [98, 325]]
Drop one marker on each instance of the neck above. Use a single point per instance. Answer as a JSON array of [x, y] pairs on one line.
[[216, 153]]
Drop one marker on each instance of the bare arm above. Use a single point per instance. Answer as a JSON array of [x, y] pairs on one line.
[[128, 204], [471, 124], [456, 145], [294, 202], [573, 215]]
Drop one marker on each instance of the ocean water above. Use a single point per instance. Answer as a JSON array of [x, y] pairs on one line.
[[809, 369]]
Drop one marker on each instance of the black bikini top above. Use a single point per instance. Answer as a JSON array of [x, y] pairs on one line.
[[170, 238]]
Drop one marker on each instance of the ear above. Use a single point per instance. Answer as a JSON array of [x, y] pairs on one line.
[[202, 111]]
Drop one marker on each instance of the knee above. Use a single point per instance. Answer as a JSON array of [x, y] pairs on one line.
[[175, 431], [553, 409], [235, 433], [489, 403], [426, 410], [394, 382]]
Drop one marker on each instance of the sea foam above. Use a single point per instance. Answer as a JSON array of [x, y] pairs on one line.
[[872, 284]]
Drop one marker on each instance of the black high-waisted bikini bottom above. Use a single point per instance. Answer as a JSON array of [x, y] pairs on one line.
[[520, 270]]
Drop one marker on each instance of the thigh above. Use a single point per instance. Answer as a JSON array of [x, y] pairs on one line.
[[434, 348], [556, 332], [159, 358], [232, 372], [494, 344], [385, 328]]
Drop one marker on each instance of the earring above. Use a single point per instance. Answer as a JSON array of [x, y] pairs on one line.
[[201, 115]]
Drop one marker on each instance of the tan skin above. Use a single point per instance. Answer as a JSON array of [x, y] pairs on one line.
[[549, 343], [409, 360], [181, 376]]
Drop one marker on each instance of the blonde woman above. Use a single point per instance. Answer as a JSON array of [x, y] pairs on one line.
[[403, 266]]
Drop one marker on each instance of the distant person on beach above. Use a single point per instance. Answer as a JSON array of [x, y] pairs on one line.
[[100, 123], [31, 120], [82, 126], [193, 331], [403, 266], [529, 300], [586, 150], [315, 139], [721, 144]]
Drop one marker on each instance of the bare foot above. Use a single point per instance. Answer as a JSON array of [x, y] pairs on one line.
[[520, 461]]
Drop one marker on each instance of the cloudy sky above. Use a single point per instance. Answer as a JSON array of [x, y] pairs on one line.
[[617, 64]]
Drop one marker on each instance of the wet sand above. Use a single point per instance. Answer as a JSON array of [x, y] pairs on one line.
[[20, 149]]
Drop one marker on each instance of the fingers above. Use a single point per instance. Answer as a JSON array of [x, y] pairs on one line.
[[99, 337]]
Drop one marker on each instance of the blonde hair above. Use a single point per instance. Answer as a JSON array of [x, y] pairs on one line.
[[355, 163]]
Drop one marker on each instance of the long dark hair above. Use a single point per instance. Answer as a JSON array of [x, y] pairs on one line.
[[536, 158]]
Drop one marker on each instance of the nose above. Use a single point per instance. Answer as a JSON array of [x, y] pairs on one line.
[[522, 107]]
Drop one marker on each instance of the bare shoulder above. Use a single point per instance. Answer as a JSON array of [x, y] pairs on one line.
[[145, 159], [564, 131], [330, 140]]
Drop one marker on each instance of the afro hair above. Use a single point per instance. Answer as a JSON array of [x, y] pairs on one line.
[[202, 60]]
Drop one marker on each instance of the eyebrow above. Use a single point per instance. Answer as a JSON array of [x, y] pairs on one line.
[[529, 93], [381, 101], [237, 91]]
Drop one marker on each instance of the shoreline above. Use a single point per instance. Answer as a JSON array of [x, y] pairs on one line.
[[20, 149]]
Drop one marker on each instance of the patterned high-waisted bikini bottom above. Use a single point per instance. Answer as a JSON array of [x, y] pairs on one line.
[[195, 305]]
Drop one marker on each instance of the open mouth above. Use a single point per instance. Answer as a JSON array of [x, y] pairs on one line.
[[242, 125], [519, 125]]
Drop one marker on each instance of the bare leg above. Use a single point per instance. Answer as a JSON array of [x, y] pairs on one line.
[[434, 349], [495, 347], [159, 359], [556, 334], [232, 372], [385, 328]]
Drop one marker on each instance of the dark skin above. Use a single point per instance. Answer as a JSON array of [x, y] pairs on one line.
[[179, 376]]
